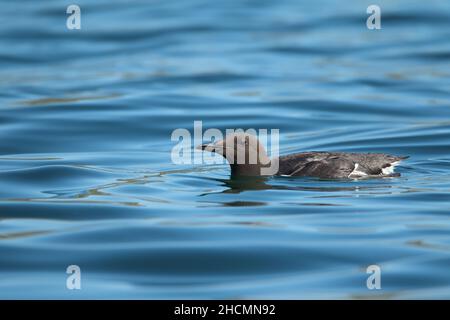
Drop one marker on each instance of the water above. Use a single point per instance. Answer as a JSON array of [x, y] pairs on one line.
[[86, 177]]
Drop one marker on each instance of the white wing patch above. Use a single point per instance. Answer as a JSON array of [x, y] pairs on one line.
[[389, 170], [356, 172], [384, 171]]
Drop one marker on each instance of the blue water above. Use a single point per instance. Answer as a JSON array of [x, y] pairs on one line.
[[86, 176]]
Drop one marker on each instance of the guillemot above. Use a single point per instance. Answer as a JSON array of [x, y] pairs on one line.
[[320, 164]]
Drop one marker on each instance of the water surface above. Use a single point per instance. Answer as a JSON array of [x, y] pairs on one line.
[[86, 176]]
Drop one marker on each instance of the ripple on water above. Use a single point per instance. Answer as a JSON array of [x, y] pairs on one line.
[[86, 176]]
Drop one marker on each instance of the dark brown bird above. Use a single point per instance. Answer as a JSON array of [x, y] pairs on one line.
[[247, 157]]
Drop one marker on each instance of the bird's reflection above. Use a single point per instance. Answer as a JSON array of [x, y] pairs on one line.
[[239, 184], [236, 185]]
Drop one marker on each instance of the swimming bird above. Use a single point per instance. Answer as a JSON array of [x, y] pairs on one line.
[[248, 157]]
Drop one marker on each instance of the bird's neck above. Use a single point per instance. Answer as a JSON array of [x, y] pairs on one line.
[[255, 170]]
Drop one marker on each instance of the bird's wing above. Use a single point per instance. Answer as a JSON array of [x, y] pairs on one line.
[[338, 164], [329, 168], [296, 161]]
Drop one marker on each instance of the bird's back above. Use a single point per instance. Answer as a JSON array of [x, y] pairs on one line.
[[337, 164]]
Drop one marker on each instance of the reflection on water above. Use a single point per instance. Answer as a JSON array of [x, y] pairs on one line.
[[85, 170], [241, 184], [61, 101]]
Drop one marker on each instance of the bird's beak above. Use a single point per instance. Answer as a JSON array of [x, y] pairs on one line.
[[205, 147], [212, 147]]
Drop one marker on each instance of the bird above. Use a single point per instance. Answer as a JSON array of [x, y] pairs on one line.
[[248, 157]]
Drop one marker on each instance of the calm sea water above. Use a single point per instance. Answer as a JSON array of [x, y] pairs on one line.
[[85, 171]]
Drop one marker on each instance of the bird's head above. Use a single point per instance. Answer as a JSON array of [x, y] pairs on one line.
[[243, 151]]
